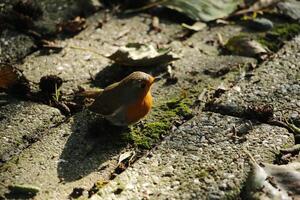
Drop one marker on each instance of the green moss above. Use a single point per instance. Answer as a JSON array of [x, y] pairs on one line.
[[274, 39], [202, 174], [298, 76], [159, 123], [286, 145], [273, 46], [286, 31], [233, 193], [180, 108], [101, 183]]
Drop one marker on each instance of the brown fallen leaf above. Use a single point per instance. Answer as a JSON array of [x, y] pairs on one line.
[[13, 81], [72, 26], [8, 76]]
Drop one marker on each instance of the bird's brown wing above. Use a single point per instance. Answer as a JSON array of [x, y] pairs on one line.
[[108, 101]]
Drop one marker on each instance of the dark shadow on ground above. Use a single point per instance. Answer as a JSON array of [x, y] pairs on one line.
[[92, 142]]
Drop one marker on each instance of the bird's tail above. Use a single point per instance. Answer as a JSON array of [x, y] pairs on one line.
[[90, 93]]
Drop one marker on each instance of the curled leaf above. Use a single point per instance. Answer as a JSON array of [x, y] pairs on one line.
[[268, 181], [136, 54], [12, 80], [8, 76], [197, 26], [244, 46], [125, 156], [72, 26]]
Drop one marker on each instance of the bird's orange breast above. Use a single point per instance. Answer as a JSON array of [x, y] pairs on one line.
[[139, 109]]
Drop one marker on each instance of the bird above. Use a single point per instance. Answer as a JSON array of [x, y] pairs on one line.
[[125, 102]]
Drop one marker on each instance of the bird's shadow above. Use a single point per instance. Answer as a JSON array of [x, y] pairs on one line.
[[93, 140]]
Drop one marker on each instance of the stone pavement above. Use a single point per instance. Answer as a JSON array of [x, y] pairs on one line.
[[201, 158]]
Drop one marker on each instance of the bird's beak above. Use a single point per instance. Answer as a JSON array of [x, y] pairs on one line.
[[154, 79]]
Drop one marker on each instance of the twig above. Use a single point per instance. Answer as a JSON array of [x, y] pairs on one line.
[[250, 156], [87, 49]]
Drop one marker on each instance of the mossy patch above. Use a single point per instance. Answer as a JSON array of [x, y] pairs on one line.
[[202, 174], [274, 39], [160, 123], [233, 193], [180, 108], [286, 31]]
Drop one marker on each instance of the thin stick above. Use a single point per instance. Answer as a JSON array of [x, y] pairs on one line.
[[87, 49]]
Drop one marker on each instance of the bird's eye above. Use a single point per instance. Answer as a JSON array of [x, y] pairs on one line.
[[143, 85]]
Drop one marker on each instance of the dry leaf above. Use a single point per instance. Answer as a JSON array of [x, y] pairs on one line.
[[72, 26], [197, 26], [268, 181], [136, 54], [8, 76], [126, 155], [244, 46], [13, 81]]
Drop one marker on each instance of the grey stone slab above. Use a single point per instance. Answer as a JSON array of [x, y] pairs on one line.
[[200, 160], [23, 123], [74, 154], [16, 25], [275, 82], [14, 45]]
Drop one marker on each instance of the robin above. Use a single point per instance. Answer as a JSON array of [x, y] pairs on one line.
[[126, 102]]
